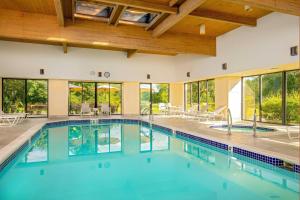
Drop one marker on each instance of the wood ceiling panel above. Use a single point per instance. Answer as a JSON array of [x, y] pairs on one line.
[[33, 6], [213, 28], [232, 8]]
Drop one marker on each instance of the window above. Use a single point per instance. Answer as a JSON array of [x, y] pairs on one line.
[[187, 96], [293, 97], [22, 95], [133, 16], [153, 97], [96, 95], [93, 9], [116, 98], [251, 97], [13, 96], [200, 95], [275, 97], [211, 95], [160, 96], [271, 98]]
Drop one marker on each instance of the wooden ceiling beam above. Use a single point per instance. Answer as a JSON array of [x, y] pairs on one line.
[[18, 25], [284, 6], [65, 47], [131, 52], [116, 15], [175, 2], [141, 5], [59, 12], [184, 9], [224, 17]]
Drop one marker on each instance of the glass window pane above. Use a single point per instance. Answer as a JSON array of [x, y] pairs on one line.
[[293, 97], [145, 98], [211, 95], [13, 96], [203, 95], [187, 90], [250, 97], [116, 98], [102, 94], [75, 97], [37, 97], [88, 95], [272, 98], [160, 95], [194, 95]]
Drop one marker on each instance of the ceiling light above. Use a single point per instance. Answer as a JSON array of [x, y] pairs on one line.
[[202, 29], [248, 8]]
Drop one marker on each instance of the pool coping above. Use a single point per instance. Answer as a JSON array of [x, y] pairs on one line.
[[8, 152]]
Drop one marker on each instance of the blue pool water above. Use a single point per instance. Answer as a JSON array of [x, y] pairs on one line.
[[131, 161], [242, 128]]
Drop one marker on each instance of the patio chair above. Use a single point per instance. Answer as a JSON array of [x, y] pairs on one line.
[[105, 109], [85, 109], [163, 108], [293, 132]]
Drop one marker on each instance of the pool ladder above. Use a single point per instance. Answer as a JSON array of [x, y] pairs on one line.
[[229, 122], [146, 111]]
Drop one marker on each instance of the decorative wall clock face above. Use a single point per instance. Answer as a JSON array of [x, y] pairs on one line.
[[106, 74]]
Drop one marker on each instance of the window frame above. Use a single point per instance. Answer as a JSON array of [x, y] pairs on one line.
[[25, 92], [199, 92], [151, 102], [283, 96], [96, 95]]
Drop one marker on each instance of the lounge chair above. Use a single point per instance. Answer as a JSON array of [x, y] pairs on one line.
[[218, 113], [86, 110], [9, 120]]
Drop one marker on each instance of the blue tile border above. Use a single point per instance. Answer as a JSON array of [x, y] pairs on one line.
[[203, 140], [13, 156], [296, 168], [257, 156], [236, 150]]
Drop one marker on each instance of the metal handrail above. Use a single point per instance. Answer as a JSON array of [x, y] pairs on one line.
[[254, 123], [229, 121], [147, 111]]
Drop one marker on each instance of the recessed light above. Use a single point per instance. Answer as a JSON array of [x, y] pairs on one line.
[[202, 29], [248, 8]]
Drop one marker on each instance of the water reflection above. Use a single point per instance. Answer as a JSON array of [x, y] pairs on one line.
[[151, 140], [86, 139], [39, 151]]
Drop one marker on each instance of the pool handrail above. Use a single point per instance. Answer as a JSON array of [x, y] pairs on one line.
[[229, 121]]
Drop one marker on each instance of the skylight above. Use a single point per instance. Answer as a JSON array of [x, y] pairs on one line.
[[91, 9], [137, 17]]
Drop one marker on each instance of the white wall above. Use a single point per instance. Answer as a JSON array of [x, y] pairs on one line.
[[25, 59], [246, 48]]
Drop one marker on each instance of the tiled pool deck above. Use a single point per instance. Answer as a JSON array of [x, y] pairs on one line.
[[275, 145]]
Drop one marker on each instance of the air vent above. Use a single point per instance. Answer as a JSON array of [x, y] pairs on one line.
[[224, 66], [148, 76], [188, 74], [42, 71]]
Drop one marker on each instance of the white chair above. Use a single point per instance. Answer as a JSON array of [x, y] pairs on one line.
[[85, 109], [162, 107], [105, 109]]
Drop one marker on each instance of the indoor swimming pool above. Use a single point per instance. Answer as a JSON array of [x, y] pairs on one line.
[[132, 160]]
